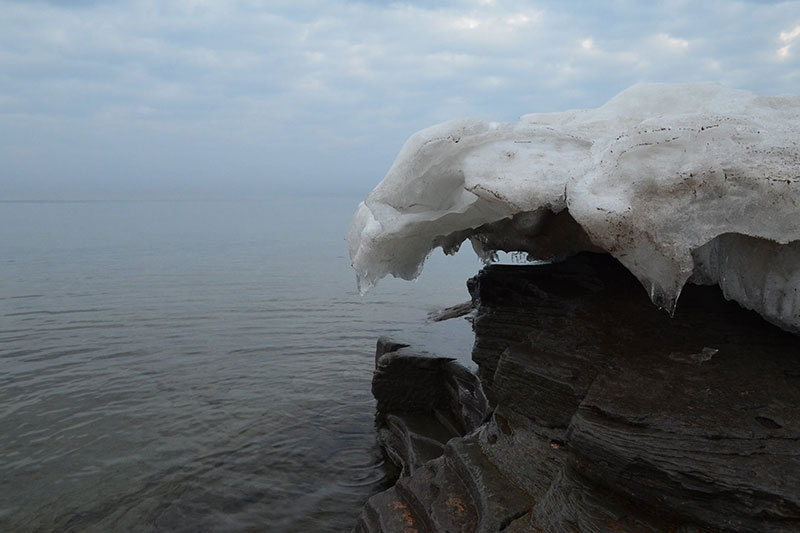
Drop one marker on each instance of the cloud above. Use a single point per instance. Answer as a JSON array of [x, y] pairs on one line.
[[269, 90], [787, 38], [671, 44]]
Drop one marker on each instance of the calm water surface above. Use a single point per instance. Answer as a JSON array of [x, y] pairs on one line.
[[196, 366]]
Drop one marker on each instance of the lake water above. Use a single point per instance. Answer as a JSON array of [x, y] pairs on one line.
[[193, 366]]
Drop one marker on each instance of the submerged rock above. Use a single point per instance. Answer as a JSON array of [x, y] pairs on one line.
[[605, 414]]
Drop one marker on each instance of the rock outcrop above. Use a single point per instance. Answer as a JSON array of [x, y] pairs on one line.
[[593, 411]]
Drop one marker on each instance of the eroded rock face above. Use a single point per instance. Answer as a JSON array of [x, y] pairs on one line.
[[609, 415]]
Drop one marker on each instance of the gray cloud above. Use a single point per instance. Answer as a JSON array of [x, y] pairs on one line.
[[253, 96]]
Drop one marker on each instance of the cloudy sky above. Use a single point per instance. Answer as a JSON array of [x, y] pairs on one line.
[[230, 98]]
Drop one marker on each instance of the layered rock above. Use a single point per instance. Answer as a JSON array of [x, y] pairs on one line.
[[605, 414]]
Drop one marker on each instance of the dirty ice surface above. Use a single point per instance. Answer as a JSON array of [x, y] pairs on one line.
[[692, 182]]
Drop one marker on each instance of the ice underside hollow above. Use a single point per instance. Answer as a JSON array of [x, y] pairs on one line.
[[681, 183]]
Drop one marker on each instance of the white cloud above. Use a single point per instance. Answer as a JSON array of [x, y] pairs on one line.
[[788, 38], [520, 19], [672, 44], [261, 73], [591, 55], [466, 23], [491, 82], [490, 27], [791, 35]]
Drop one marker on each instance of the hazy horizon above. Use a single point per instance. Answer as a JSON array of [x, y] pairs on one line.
[[204, 99]]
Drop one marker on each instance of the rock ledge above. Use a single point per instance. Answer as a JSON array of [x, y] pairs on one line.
[[593, 411]]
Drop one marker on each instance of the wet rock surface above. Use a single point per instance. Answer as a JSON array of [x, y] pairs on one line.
[[423, 402], [602, 413]]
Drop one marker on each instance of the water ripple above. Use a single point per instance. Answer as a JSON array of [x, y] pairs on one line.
[[163, 372]]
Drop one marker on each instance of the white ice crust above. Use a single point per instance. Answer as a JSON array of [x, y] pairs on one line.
[[693, 182]]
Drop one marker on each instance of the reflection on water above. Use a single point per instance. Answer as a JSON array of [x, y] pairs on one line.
[[185, 366]]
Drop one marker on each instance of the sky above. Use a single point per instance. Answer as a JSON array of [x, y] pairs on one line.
[[245, 98]]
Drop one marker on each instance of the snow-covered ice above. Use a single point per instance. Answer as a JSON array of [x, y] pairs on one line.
[[692, 182]]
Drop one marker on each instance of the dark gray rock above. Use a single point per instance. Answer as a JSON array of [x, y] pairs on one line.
[[422, 402], [608, 415]]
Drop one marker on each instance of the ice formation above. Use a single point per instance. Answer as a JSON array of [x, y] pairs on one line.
[[693, 182]]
